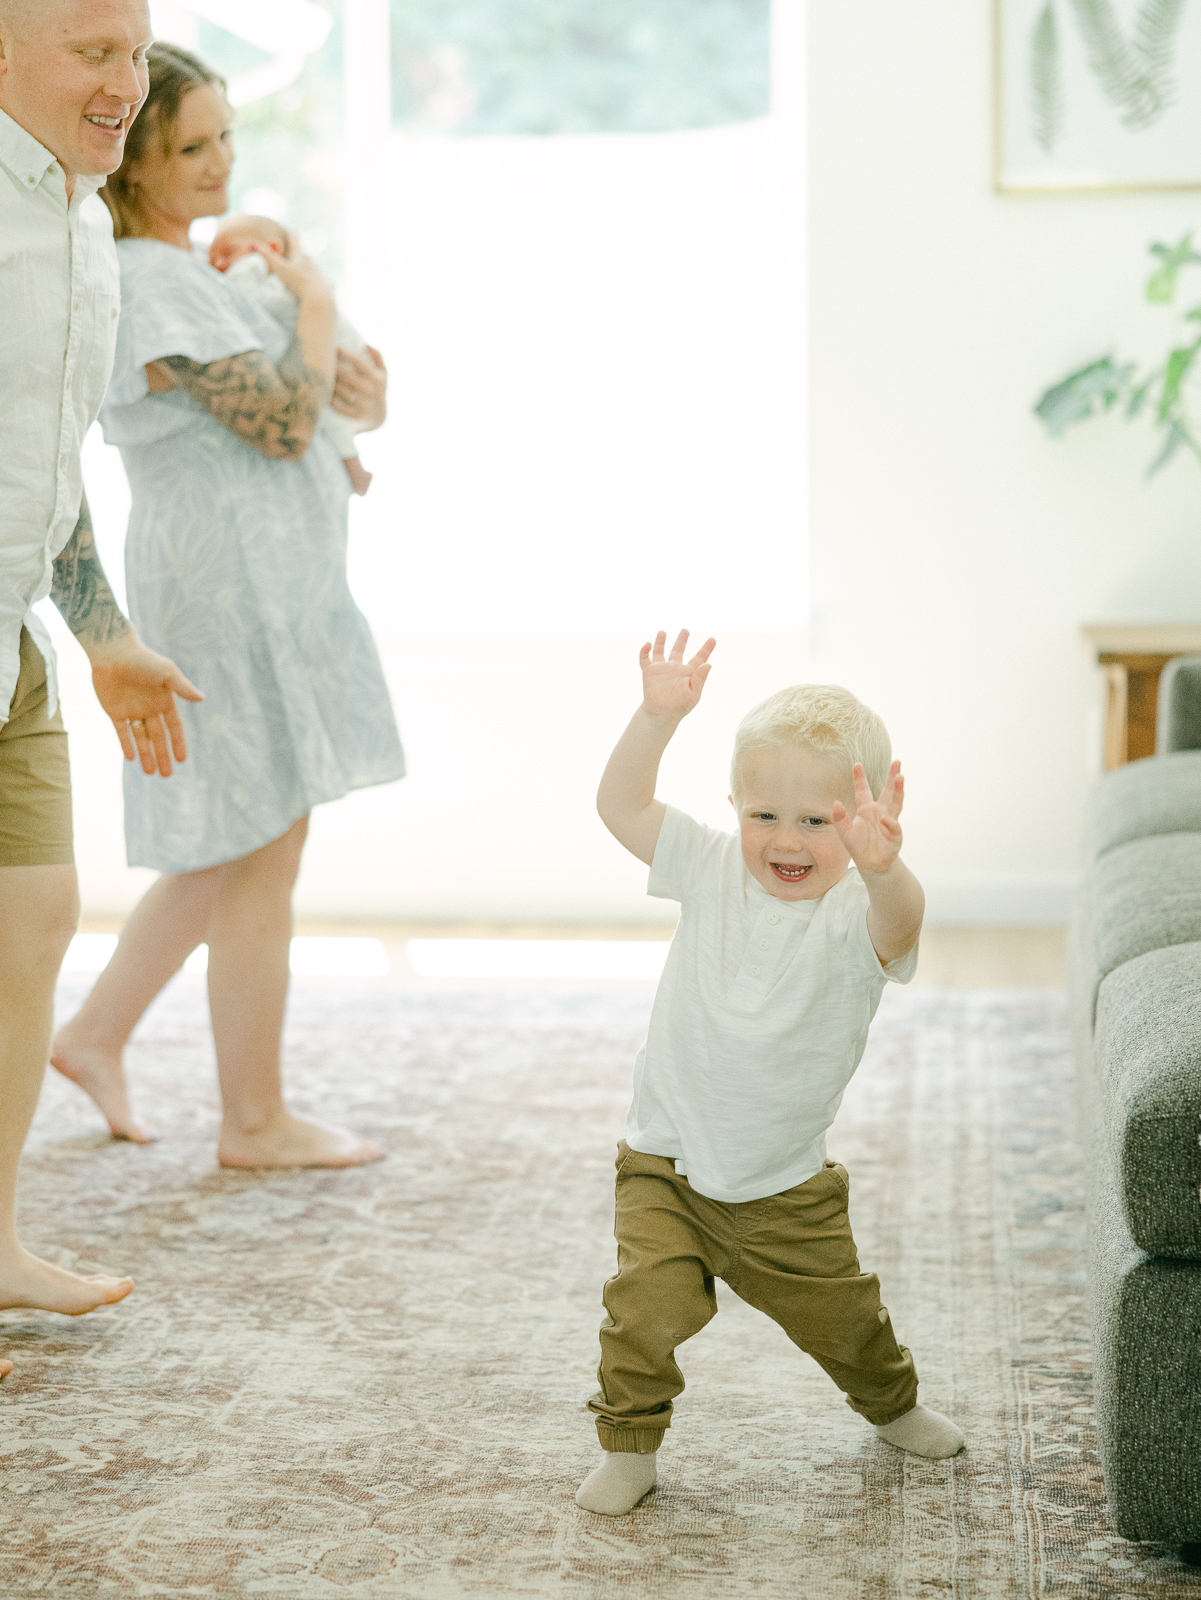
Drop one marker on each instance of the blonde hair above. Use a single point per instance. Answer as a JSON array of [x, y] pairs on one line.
[[820, 717]]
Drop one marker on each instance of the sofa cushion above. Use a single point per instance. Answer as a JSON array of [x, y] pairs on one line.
[[1178, 719], [1147, 1095], [1146, 1324], [1144, 896], [1159, 795]]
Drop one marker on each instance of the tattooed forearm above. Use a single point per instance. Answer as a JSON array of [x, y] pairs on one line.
[[80, 590], [274, 409]]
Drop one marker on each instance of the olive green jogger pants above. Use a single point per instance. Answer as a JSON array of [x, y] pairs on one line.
[[791, 1255]]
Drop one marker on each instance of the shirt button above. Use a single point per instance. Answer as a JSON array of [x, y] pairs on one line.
[[773, 917], [754, 972], [765, 944]]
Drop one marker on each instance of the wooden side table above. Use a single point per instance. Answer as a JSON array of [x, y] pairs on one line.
[[1132, 656]]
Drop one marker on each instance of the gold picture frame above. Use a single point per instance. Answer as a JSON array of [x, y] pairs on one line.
[[1096, 97]]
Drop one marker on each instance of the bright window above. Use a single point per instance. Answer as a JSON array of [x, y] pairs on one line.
[[577, 234]]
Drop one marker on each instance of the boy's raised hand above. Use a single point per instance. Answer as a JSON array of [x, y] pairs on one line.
[[873, 835], [671, 687]]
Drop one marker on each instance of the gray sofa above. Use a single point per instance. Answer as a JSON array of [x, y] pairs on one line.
[[1135, 958], [1178, 725]]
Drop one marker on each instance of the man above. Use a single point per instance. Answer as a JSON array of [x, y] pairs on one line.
[[72, 77]]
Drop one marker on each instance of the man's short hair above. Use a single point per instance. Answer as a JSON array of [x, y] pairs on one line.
[[820, 717]]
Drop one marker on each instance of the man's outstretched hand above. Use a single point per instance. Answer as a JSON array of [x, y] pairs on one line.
[[873, 835], [672, 687], [137, 688]]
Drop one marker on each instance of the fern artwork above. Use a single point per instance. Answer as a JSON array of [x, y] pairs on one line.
[[1164, 394], [1098, 95]]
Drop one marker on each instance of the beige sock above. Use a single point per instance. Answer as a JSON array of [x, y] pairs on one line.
[[924, 1433], [617, 1484]]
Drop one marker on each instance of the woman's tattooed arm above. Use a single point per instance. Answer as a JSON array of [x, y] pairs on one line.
[[273, 409], [80, 589]]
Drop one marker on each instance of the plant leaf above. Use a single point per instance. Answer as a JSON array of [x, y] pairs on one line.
[[1118, 65], [1083, 394], [1046, 80], [1161, 285], [1154, 39], [1175, 373], [1176, 437], [1138, 396]]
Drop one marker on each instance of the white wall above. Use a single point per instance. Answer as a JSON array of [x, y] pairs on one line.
[[955, 551]]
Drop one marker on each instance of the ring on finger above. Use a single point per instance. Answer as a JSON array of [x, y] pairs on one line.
[[136, 722]]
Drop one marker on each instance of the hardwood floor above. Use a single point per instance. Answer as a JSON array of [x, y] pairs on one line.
[[992, 958]]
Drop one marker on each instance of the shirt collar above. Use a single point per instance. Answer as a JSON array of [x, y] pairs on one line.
[[30, 162]]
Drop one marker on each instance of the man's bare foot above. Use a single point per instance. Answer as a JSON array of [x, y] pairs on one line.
[[296, 1142], [100, 1074], [26, 1282]]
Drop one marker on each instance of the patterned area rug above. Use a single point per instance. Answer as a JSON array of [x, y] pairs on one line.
[[371, 1384]]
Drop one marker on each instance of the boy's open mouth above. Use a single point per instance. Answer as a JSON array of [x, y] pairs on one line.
[[790, 874]]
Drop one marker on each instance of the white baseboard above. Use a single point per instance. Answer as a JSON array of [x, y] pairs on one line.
[[1036, 900]]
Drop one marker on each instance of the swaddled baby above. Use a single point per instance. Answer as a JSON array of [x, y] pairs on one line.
[[233, 252]]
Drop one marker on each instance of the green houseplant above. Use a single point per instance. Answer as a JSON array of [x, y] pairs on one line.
[[1159, 392]]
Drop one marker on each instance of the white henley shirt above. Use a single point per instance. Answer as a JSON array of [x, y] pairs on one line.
[[759, 1022], [59, 301]]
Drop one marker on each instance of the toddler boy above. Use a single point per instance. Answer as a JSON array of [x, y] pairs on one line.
[[788, 933], [233, 251]]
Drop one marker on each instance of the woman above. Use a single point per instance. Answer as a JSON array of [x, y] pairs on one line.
[[236, 555]]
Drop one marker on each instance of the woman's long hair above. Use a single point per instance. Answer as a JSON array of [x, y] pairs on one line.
[[173, 72]]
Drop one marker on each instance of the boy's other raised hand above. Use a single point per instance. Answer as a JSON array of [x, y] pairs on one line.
[[672, 686], [873, 835]]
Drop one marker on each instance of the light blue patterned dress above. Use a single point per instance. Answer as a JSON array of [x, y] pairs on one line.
[[236, 569]]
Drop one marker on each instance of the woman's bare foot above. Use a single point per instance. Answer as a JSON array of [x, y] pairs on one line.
[[5, 1368], [100, 1074], [26, 1282], [296, 1142]]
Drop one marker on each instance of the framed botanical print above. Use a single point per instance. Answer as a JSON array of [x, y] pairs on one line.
[[1097, 96]]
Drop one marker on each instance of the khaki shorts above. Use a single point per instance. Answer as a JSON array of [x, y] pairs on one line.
[[35, 774]]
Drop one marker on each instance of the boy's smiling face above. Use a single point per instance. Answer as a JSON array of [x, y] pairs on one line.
[[784, 803]]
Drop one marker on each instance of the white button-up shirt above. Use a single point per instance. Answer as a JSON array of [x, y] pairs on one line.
[[59, 301]]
